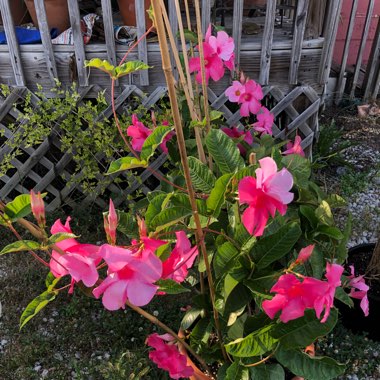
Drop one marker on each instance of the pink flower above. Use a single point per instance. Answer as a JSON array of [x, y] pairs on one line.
[[359, 290], [295, 148], [294, 297], [264, 121], [305, 254], [235, 133], [80, 260], [223, 45], [213, 65], [265, 194], [165, 140], [167, 356], [110, 224], [235, 91], [139, 133], [180, 260], [131, 276], [250, 98], [38, 207]]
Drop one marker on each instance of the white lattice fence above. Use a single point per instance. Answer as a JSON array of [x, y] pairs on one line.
[[297, 110]]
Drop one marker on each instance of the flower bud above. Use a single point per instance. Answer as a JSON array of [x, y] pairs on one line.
[[38, 208], [112, 222]]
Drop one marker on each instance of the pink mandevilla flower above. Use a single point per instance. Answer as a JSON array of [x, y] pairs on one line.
[[250, 98], [139, 133], [167, 356], [234, 92], [131, 276], [294, 297], [295, 148], [80, 260], [265, 194], [235, 133], [180, 260], [224, 47], [359, 290], [38, 207], [264, 122]]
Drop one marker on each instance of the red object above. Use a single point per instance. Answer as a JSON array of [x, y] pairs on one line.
[[360, 18]]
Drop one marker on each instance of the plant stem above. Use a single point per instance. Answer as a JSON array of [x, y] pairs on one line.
[[161, 325], [166, 66]]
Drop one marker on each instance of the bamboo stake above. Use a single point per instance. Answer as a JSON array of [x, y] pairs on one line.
[[186, 87], [167, 69], [202, 62]]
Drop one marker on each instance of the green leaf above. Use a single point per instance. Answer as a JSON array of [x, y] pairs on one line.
[[168, 217], [119, 71], [190, 317], [190, 36], [224, 151], [342, 296], [19, 207], [218, 195], [56, 238], [335, 200], [309, 213], [273, 247], [51, 281], [130, 67], [153, 141], [261, 283], [267, 372], [224, 258], [154, 208], [255, 344], [102, 65], [237, 372], [341, 250], [324, 214], [332, 232], [171, 287], [126, 163], [127, 224], [312, 368], [201, 176], [22, 245], [202, 330], [36, 306], [300, 169], [303, 331]]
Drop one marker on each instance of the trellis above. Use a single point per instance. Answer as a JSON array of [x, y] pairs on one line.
[[27, 176], [294, 71]]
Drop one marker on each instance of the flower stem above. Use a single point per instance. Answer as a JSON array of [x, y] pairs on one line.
[[161, 325]]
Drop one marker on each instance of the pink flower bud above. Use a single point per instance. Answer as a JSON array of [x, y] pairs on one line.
[[112, 222], [305, 254], [38, 208]]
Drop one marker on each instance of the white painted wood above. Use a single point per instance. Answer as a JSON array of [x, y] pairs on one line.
[[266, 50], [351, 25], [373, 66], [109, 32], [46, 40], [206, 14], [142, 46], [359, 59], [12, 44], [80, 55], [299, 31], [237, 24]]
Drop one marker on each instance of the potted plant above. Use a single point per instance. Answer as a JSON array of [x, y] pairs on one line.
[[366, 259], [128, 12], [57, 13], [237, 222], [19, 12]]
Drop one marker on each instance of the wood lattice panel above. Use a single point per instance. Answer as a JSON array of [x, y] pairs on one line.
[[297, 110]]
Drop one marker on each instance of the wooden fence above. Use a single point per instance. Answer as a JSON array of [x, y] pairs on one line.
[[293, 68], [362, 81]]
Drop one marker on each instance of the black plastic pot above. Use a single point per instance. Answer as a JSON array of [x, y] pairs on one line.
[[353, 318]]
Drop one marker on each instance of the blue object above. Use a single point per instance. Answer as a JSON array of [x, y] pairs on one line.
[[27, 36]]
